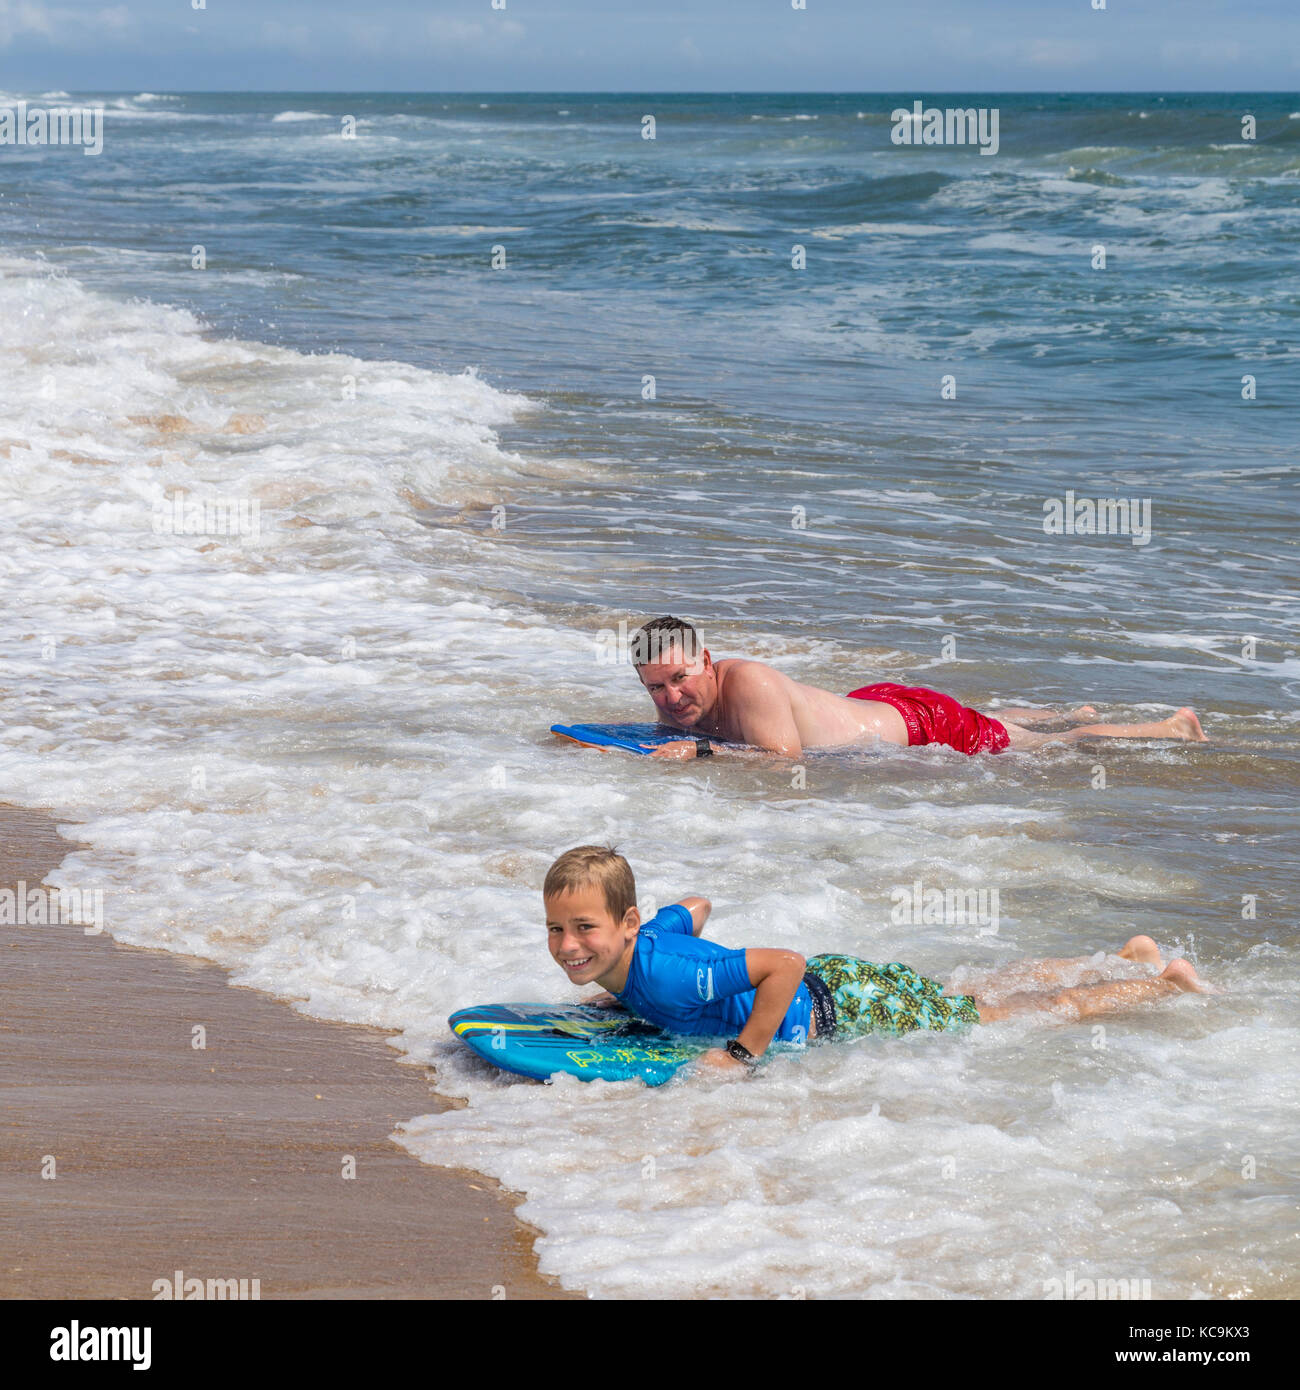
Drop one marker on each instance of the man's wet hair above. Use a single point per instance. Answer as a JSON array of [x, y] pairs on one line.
[[652, 641]]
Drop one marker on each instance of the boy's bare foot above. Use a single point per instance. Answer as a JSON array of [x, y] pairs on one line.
[[1082, 714], [1180, 973], [1186, 725], [1141, 948]]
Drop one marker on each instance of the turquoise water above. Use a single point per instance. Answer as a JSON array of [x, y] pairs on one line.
[[320, 754], [775, 388]]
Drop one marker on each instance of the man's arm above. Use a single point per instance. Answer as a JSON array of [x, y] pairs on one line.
[[685, 749], [760, 705], [760, 702]]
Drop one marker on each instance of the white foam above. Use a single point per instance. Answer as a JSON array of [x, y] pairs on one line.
[[916, 229], [318, 755]]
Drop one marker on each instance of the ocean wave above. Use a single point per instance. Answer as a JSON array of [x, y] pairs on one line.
[[1099, 177], [396, 425], [134, 108], [903, 229]]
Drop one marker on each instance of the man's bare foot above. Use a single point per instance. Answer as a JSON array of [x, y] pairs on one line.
[[1082, 714], [1141, 948], [1186, 725], [1180, 973]]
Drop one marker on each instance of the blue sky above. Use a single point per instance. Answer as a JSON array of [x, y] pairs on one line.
[[625, 45]]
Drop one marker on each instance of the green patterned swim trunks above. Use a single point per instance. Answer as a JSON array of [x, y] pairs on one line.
[[869, 998]]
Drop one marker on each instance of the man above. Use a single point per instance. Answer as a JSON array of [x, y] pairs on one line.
[[742, 701]]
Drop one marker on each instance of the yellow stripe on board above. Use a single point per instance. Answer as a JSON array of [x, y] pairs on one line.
[[506, 1027], [562, 1026]]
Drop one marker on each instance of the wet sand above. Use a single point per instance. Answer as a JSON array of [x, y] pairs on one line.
[[224, 1162]]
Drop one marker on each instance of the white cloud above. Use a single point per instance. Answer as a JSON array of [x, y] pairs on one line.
[[371, 38], [32, 17], [454, 30], [23, 17], [1060, 53], [464, 33], [294, 37], [1199, 51]]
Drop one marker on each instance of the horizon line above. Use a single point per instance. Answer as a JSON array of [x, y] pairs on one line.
[[664, 91]]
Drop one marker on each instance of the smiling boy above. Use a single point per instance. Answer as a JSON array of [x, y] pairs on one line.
[[662, 972]]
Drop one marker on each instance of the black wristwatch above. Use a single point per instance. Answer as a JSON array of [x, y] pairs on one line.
[[741, 1053], [703, 748]]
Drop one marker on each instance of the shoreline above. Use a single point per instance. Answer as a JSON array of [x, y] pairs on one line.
[[226, 1161]]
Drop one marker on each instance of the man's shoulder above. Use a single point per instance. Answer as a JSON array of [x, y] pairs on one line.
[[744, 672]]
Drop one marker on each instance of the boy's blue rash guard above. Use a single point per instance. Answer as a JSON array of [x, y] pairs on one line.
[[687, 985]]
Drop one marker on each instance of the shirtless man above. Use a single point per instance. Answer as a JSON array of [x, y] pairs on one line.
[[744, 701]]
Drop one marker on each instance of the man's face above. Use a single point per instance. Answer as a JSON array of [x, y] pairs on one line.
[[684, 691], [585, 940]]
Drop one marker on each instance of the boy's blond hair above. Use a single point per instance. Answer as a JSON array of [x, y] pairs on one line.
[[599, 865]]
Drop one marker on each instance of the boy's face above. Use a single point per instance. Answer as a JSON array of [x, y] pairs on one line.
[[586, 941]]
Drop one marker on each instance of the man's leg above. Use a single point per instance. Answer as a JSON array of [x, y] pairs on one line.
[[1085, 1001], [1183, 725], [1041, 716]]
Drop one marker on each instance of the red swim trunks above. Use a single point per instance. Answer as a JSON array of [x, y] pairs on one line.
[[934, 718]]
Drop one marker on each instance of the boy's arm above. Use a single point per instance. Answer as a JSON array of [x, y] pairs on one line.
[[776, 977], [699, 908]]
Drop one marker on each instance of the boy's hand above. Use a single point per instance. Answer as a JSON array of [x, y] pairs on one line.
[[718, 1059], [602, 1001]]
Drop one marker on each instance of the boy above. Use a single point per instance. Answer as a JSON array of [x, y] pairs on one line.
[[662, 972]]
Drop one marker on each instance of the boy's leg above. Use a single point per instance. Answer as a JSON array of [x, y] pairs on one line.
[[1085, 1001], [1183, 725], [1028, 975], [1140, 948]]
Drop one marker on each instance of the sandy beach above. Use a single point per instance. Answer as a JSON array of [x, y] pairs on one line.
[[224, 1162]]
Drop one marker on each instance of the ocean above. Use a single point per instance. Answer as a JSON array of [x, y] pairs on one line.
[[316, 749]]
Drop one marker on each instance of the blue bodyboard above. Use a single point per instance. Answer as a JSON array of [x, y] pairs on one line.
[[593, 1044], [634, 738]]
